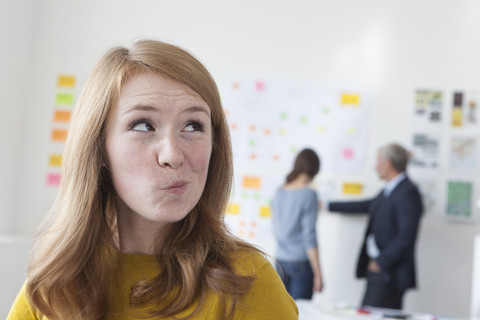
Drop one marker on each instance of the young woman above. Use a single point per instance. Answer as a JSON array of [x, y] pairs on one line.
[[295, 207], [137, 229]]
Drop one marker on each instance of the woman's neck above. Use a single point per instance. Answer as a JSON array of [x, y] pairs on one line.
[[137, 235], [301, 181]]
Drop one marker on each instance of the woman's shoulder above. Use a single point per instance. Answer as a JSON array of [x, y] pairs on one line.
[[249, 261], [267, 289], [21, 308], [300, 190], [306, 192]]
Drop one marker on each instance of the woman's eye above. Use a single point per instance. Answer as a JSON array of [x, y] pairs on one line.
[[141, 126], [195, 126]]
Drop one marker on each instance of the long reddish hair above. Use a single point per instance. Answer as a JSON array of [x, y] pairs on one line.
[[68, 276]]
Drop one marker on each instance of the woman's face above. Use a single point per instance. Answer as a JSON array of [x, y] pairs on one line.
[[158, 144]]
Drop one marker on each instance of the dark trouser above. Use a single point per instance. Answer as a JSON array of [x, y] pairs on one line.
[[297, 278], [380, 293]]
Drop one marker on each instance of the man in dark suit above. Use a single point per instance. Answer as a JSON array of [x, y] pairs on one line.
[[388, 250]]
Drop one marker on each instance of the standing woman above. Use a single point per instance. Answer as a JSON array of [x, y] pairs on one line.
[[295, 208], [137, 229]]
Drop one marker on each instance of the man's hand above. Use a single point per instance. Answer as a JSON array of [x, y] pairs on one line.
[[374, 267]]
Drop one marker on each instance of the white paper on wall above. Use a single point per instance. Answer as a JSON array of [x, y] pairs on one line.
[[270, 122]]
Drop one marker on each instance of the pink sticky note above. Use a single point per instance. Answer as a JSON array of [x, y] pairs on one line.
[[348, 153], [53, 179], [260, 85]]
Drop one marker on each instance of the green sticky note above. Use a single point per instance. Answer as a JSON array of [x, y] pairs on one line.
[[64, 99]]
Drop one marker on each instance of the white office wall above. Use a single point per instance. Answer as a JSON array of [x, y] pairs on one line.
[[16, 32], [14, 252], [390, 47], [475, 301]]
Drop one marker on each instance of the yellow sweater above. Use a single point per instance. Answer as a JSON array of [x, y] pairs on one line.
[[267, 298]]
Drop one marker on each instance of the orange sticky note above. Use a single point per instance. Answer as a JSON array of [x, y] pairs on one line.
[[59, 134], [250, 182], [55, 160], [350, 99], [62, 116], [265, 212], [352, 188], [66, 81]]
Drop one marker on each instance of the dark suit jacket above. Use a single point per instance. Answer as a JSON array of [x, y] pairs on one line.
[[394, 220]]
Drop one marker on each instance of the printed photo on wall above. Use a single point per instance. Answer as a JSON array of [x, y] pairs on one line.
[[465, 109], [459, 201], [463, 153], [425, 151], [428, 106]]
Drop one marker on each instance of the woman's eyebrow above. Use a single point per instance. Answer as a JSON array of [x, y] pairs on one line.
[[198, 109], [140, 107]]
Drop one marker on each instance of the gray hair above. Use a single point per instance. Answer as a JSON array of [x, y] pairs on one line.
[[397, 154]]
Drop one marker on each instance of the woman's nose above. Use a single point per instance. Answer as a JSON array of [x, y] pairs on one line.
[[170, 153]]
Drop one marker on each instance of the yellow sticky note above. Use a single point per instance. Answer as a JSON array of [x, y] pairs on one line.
[[59, 135], [64, 99], [62, 116], [233, 208], [352, 130], [350, 99], [352, 188], [56, 160], [252, 182], [66, 81], [265, 212]]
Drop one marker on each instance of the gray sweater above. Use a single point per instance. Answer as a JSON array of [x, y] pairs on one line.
[[294, 223]]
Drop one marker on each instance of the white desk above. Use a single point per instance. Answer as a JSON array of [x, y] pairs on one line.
[[310, 311]]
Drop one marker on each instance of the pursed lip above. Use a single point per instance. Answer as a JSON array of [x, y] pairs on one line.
[[177, 187]]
